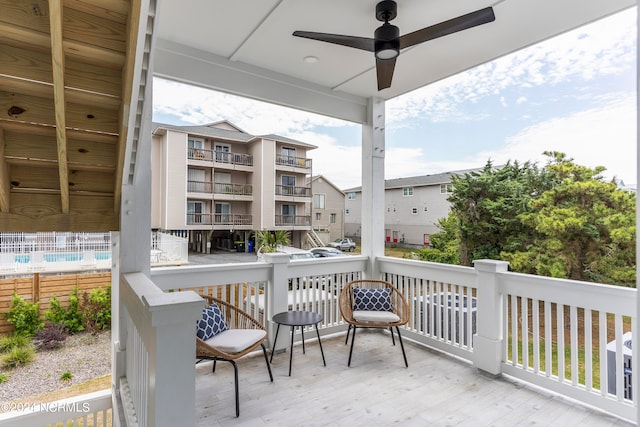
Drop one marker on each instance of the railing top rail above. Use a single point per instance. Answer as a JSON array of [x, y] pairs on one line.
[[598, 296], [195, 275], [445, 273]]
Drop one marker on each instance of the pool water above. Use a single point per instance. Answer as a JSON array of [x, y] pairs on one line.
[[64, 257]]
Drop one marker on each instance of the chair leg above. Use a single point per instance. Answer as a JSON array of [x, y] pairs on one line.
[[266, 359], [393, 340], [214, 367], [353, 338], [235, 374], [346, 340], [406, 364]]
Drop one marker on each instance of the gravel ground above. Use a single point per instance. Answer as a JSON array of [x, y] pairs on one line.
[[84, 355]]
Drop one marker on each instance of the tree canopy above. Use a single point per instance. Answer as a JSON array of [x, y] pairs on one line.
[[563, 220]]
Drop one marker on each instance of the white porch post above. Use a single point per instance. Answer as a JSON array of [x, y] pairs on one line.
[[278, 295], [487, 343], [373, 185]]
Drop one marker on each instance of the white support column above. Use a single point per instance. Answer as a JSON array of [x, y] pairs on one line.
[[373, 205], [171, 361], [487, 343], [278, 295]]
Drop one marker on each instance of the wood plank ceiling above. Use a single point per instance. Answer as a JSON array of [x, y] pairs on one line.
[[65, 82]]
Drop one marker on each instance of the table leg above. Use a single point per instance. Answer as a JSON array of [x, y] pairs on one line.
[[273, 347], [320, 343], [302, 330], [293, 331]]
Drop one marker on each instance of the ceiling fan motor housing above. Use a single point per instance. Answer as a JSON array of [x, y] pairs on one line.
[[386, 41]]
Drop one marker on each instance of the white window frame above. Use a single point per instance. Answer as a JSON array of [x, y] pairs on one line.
[[351, 195], [414, 211], [321, 201], [407, 192], [446, 188]]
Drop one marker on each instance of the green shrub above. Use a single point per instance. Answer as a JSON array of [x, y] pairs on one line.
[[70, 316], [4, 377], [24, 317], [96, 310], [18, 356], [7, 342]]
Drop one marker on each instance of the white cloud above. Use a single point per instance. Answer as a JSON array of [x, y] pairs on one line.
[[604, 136], [603, 48]]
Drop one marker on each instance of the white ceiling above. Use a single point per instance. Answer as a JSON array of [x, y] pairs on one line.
[[246, 47]]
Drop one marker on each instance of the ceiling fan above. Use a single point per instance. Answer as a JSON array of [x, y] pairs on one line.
[[387, 42]]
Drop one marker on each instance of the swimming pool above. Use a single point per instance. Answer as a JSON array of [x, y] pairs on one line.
[[63, 257]]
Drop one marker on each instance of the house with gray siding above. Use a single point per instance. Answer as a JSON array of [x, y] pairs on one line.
[[412, 208]]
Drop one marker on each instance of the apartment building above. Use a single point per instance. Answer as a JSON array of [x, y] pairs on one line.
[[328, 207], [218, 184], [412, 207]]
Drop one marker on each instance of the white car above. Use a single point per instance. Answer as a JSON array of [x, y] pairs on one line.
[[344, 244], [294, 253]]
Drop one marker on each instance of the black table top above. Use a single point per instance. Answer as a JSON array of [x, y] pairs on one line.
[[298, 318]]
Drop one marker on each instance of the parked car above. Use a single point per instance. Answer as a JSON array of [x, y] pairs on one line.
[[294, 253], [327, 252], [344, 244]]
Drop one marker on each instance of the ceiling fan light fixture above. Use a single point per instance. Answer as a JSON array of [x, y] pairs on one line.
[[386, 41]]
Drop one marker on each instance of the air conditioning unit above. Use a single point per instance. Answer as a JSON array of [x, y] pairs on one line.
[[611, 365], [455, 304]]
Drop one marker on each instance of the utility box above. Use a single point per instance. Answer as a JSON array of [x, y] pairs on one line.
[[611, 365], [449, 305]]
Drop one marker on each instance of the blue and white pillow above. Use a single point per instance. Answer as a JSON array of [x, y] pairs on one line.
[[372, 299], [212, 322]]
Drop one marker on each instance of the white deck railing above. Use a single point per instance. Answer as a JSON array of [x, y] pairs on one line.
[[92, 409], [501, 322]]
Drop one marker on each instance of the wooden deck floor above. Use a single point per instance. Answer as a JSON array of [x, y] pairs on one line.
[[377, 390]]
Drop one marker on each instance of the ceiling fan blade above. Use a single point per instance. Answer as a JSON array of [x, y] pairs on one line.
[[464, 22], [363, 43], [384, 70]]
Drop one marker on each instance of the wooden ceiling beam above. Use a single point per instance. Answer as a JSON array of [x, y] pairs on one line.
[[57, 65], [116, 10], [5, 184], [15, 35]]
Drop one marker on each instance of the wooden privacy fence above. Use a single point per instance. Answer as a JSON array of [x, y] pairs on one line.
[[40, 288]]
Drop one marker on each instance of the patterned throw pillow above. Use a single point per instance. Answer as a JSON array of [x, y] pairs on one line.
[[212, 322], [372, 299]]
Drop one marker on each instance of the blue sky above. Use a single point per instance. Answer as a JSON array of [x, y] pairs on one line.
[[575, 93]]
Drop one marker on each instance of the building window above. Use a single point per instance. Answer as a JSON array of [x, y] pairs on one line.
[[351, 195], [194, 212], [223, 213], [223, 153], [288, 155], [288, 185], [332, 218], [346, 212], [426, 209], [195, 148], [288, 214], [318, 216], [407, 191], [318, 201], [414, 211], [446, 188], [426, 240]]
